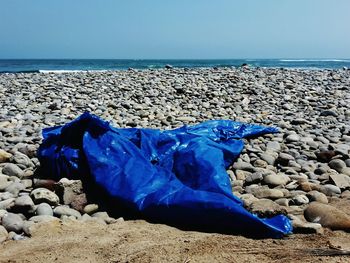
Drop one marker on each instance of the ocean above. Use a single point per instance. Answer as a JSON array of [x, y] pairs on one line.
[[62, 65]]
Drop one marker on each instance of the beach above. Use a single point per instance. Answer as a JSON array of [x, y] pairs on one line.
[[307, 161]]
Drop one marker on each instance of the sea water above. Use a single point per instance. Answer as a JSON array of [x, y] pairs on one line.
[[63, 65]]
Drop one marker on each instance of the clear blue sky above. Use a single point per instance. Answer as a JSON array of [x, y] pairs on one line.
[[141, 29]]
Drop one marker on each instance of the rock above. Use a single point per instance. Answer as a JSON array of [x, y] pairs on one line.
[[3, 234], [24, 204], [267, 193], [300, 226], [12, 169], [282, 201], [65, 210], [268, 157], [266, 208], [328, 113], [4, 157], [12, 222], [330, 190], [7, 204], [325, 156], [240, 165], [340, 180], [299, 200], [346, 171], [43, 195], [15, 187], [327, 216], [293, 138], [44, 209], [68, 190], [91, 208], [79, 202], [273, 146], [317, 196], [284, 159], [254, 178], [308, 186], [4, 182], [276, 179], [21, 160], [337, 165]]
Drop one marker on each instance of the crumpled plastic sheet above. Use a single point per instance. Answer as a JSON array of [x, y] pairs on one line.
[[169, 176]]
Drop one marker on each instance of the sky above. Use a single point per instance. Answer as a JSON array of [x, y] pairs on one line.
[[174, 29]]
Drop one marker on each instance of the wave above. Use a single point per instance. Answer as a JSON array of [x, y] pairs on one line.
[[314, 60]]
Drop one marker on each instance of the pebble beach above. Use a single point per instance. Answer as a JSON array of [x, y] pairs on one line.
[[300, 172]]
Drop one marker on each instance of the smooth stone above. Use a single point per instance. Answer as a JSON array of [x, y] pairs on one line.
[[274, 146], [266, 208], [7, 204], [3, 234], [12, 222], [44, 209], [248, 199], [91, 208], [346, 171], [12, 169], [282, 201], [327, 216], [276, 179], [337, 165], [269, 158], [340, 180], [24, 204], [317, 196], [267, 193], [15, 188], [104, 216], [22, 160], [254, 178], [293, 138], [79, 202], [66, 211], [4, 182], [4, 157], [284, 159], [43, 195], [329, 189], [300, 200], [240, 165], [299, 226]]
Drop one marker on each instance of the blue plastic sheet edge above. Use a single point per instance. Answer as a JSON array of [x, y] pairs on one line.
[[171, 176]]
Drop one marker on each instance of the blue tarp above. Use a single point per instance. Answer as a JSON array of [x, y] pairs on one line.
[[172, 176]]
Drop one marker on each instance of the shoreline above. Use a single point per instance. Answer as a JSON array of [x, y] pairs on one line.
[[188, 69]]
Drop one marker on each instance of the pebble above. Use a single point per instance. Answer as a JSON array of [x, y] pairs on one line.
[[311, 150], [266, 208], [41, 195], [12, 222], [91, 208], [44, 209], [24, 204], [276, 179], [4, 157], [267, 193], [66, 211], [337, 165], [12, 169], [327, 216]]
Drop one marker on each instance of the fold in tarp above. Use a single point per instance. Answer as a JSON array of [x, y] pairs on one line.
[[172, 176]]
